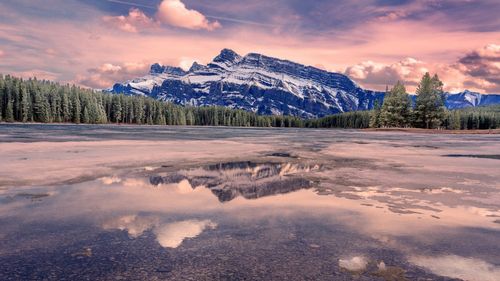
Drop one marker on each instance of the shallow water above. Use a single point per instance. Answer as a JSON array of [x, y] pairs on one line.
[[263, 204]]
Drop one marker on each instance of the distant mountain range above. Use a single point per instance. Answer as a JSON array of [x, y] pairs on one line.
[[470, 99], [267, 85]]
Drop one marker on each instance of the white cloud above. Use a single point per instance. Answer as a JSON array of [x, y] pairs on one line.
[[470, 269], [173, 234], [175, 13], [133, 22], [170, 12], [186, 63]]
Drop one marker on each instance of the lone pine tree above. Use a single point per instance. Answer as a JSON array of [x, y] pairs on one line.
[[429, 108]]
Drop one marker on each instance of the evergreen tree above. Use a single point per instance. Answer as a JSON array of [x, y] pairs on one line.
[[1, 96], [15, 98], [76, 107], [190, 117], [375, 115], [429, 109], [7, 100], [85, 116], [139, 110], [25, 104], [116, 109], [65, 106], [9, 111], [454, 120], [41, 108], [182, 118], [396, 109]]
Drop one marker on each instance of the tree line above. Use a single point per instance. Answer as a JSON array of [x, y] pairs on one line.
[[43, 101], [429, 111], [473, 118]]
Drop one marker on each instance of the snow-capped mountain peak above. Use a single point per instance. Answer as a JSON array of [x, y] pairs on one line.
[[227, 55], [470, 99], [159, 69], [265, 85]]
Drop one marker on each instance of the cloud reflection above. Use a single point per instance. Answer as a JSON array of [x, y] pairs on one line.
[[173, 234], [470, 269], [357, 263], [134, 225], [169, 235]]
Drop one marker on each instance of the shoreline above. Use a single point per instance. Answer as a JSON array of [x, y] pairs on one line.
[[401, 130], [435, 131]]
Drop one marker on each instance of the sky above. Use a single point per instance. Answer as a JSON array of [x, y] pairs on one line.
[[95, 43]]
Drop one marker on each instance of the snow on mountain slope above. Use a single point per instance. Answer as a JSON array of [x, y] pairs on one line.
[[264, 85], [470, 99]]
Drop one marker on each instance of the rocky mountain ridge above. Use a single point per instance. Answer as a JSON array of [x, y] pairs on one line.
[[267, 85]]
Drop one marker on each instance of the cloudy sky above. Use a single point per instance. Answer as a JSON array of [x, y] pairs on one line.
[[95, 43]]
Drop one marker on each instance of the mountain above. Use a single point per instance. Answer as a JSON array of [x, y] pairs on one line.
[[267, 85], [469, 99], [255, 83]]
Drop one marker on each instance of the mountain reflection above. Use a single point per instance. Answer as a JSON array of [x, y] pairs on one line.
[[247, 179]]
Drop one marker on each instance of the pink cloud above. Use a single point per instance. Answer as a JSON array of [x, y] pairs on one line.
[[377, 75], [50, 52], [382, 43], [483, 64], [107, 74], [38, 73], [393, 15], [478, 70], [133, 22], [2, 53], [175, 13], [456, 79]]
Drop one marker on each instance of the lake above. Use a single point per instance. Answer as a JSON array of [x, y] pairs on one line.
[[110, 202]]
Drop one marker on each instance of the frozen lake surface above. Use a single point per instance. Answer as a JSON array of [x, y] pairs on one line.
[[80, 202]]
